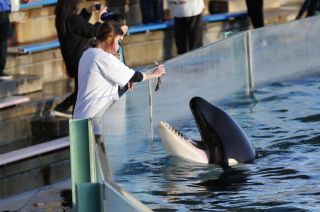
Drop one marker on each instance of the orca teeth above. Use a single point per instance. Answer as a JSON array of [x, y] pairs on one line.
[[178, 133], [174, 130]]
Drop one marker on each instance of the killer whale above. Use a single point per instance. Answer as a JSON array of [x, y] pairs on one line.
[[223, 141]]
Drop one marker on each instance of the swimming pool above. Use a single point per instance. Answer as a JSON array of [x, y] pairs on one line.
[[282, 119]]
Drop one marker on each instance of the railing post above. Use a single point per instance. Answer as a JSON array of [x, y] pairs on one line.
[[92, 153], [150, 132], [79, 155], [249, 63], [89, 194]]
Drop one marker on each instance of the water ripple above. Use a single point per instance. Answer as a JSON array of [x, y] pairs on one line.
[[310, 118]]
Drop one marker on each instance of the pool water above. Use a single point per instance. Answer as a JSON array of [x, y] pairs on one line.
[[282, 119]]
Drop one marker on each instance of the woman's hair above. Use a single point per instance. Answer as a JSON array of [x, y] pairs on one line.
[[64, 10], [107, 30], [113, 17]]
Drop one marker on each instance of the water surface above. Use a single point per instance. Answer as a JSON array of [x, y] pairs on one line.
[[281, 119]]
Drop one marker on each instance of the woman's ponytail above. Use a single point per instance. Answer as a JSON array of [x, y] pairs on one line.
[[94, 42]]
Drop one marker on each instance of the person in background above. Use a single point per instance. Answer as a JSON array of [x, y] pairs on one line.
[[152, 11], [101, 72], [6, 6], [188, 30], [74, 32], [255, 12], [124, 27], [309, 6]]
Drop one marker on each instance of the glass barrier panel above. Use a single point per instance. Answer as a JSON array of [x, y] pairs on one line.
[[285, 50], [126, 125], [119, 200], [212, 72]]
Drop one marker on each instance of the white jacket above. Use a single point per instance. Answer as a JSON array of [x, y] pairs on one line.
[[185, 8]]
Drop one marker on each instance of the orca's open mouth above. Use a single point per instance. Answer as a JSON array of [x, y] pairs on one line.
[[222, 140], [178, 144], [172, 129], [179, 134]]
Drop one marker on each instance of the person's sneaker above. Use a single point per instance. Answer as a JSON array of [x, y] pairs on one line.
[[5, 76], [61, 113]]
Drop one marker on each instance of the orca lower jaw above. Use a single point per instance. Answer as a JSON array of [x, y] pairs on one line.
[[176, 144]]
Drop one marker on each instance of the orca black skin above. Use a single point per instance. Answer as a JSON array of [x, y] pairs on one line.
[[224, 138]]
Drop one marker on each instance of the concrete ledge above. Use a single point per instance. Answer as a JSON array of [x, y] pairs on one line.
[[49, 127], [40, 102], [57, 193], [49, 64], [20, 84], [48, 70], [33, 151], [15, 60], [15, 130], [17, 123], [28, 84], [35, 172], [12, 101], [7, 88], [35, 24], [26, 131]]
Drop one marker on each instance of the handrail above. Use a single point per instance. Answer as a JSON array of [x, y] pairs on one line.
[[223, 16], [39, 3], [150, 27], [28, 49]]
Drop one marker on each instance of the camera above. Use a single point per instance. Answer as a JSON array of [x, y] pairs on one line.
[[105, 15], [97, 6]]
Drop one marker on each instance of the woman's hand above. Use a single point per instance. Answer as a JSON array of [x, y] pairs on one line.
[[159, 71], [97, 7], [131, 86]]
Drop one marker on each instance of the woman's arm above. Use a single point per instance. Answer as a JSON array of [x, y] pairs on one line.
[[82, 27], [139, 76]]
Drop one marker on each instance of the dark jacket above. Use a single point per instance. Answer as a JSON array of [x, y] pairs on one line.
[[5, 26], [75, 40]]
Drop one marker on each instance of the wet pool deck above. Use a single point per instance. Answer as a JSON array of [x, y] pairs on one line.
[[56, 197]]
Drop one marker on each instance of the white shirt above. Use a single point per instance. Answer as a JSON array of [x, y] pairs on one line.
[[15, 5], [99, 75], [185, 8]]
